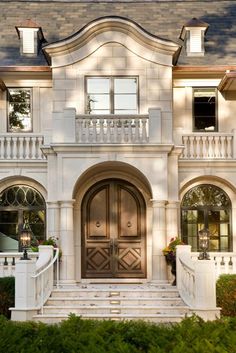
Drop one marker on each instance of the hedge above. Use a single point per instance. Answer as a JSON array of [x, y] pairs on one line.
[[7, 295], [75, 335], [226, 294]]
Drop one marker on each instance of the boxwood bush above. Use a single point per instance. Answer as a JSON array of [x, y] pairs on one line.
[[7, 295], [75, 335], [226, 294]]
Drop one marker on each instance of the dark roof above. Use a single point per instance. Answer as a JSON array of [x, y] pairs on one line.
[[164, 18]]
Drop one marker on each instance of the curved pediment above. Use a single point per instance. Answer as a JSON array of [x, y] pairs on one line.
[[112, 30]]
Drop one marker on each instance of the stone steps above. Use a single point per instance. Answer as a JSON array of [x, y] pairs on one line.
[[148, 302]]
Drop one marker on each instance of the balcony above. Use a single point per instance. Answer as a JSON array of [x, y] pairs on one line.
[[20, 147], [208, 146], [112, 129]]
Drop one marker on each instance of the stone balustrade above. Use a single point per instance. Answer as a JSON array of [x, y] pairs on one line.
[[207, 146], [112, 129], [8, 261], [21, 147]]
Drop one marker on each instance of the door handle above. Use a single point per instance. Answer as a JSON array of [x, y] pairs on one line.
[[115, 246]]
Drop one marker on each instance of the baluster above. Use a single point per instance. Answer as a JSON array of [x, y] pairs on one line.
[[222, 263], [40, 143], [122, 130], [8, 147], [219, 145], [198, 139], [94, 130], [136, 134], [101, 130], [33, 148], [21, 148], [210, 147], [115, 123], [13, 261], [86, 128], [204, 147], [144, 130], [14, 147], [27, 147], [2, 148], [5, 262], [223, 147], [191, 146], [229, 147], [109, 130], [230, 262]]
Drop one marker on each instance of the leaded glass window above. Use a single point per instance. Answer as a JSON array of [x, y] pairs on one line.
[[18, 205], [207, 206]]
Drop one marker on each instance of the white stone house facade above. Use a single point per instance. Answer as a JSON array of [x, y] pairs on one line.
[[116, 150]]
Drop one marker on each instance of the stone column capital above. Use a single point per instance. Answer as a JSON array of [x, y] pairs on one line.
[[158, 203], [67, 203], [173, 204]]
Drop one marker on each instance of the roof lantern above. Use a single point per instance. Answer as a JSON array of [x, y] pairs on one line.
[[31, 37], [193, 34]]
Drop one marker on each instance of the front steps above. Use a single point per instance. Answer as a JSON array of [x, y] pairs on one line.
[[148, 302]]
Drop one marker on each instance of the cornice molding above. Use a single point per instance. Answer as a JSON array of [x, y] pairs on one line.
[[112, 29]]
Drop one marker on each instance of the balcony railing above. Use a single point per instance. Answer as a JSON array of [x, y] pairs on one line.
[[23, 147], [112, 129], [207, 146]]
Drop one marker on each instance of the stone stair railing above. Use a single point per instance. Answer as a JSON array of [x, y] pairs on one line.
[[34, 283], [21, 146], [196, 282]]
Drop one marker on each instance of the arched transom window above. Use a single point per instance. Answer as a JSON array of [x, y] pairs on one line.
[[20, 204], [207, 206]]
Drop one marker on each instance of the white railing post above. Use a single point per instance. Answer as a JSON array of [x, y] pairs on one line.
[[196, 282], [155, 126], [24, 291]]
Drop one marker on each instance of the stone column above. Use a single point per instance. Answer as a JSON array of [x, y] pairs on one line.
[[53, 219], [158, 240], [172, 220], [67, 244]]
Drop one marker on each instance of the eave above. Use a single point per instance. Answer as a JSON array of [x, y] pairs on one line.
[[228, 82]]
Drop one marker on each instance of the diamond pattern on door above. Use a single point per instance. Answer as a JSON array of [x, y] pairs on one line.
[[113, 231]]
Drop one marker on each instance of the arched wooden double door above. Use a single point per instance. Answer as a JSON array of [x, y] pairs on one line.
[[113, 231]]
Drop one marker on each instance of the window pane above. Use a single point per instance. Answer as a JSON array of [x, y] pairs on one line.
[[125, 85], [100, 101], [98, 85], [123, 101], [19, 109], [105, 112], [124, 112], [224, 244], [204, 109]]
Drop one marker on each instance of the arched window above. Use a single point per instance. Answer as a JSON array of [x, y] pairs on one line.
[[207, 206], [18, 205]]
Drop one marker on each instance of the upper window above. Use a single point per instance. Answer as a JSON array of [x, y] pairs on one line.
[[111, 95], [204, 109], [19, 110]]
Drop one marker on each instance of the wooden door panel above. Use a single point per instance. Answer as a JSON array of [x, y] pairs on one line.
[[128, 214], [98, 261], [97, 214]]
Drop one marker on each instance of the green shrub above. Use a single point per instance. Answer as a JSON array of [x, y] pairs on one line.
[[76, 335], [226, 294], [7, 295]]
